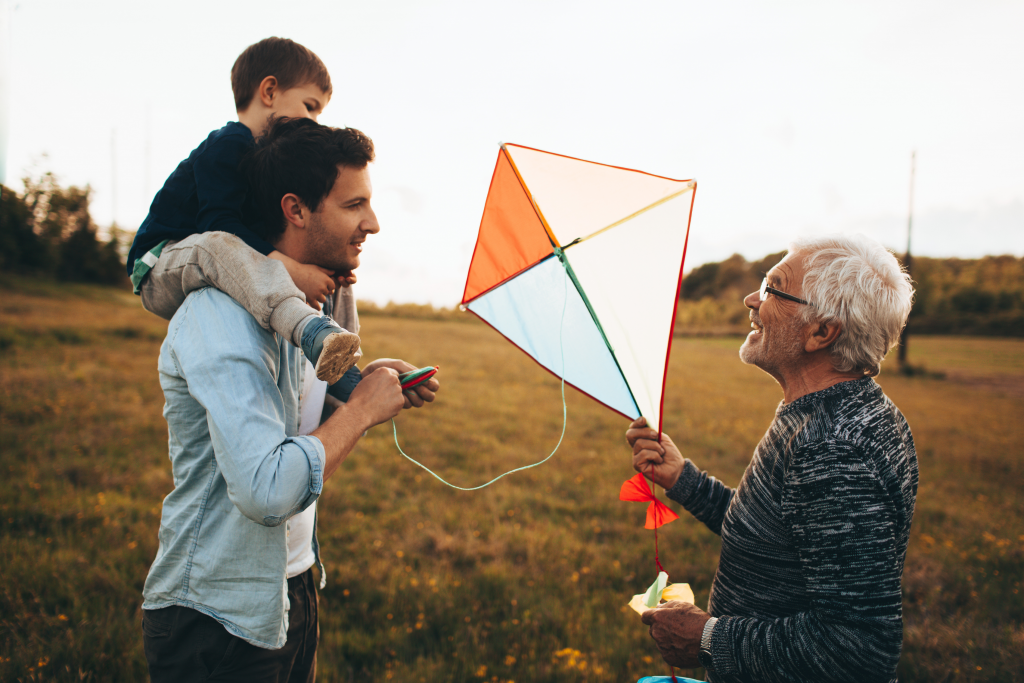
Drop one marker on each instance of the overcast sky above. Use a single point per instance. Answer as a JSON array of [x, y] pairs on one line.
[[794, 117]]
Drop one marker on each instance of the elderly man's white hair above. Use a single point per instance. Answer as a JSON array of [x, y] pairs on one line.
[[853, 279]]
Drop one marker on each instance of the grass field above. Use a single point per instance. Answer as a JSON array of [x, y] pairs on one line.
[[524, 581]]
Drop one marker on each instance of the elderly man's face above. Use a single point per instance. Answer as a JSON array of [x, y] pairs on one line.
[[776, 340]]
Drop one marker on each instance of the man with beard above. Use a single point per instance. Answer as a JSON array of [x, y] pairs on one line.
[[808, 586], [230, 595]]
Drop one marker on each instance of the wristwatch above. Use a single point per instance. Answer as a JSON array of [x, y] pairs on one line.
[[704, 656]]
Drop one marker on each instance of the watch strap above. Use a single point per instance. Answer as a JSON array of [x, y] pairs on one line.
[[705, 639]]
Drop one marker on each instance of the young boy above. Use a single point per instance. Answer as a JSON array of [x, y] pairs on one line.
[[195, 235]]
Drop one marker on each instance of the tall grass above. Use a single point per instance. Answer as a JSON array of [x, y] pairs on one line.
[[524, 581]]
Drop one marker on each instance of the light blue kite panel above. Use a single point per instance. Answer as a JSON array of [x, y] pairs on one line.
[[528, 311]]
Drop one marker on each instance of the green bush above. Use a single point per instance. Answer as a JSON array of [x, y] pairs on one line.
[[47, 231]]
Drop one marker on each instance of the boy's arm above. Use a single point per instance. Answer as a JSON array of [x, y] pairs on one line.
[[221, 188]]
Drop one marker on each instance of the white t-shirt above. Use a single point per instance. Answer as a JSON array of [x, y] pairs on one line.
[[300, 527]]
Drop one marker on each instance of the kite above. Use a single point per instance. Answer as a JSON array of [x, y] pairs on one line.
[[579, 265]]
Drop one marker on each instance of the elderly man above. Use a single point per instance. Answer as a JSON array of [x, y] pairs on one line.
[[230, 595], [815, 535]]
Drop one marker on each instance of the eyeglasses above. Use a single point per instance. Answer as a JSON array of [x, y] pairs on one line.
[[766, 290]]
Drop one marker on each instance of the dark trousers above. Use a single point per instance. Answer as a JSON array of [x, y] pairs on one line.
[[186, 646]]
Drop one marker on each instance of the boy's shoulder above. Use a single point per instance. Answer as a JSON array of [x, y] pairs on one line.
[[233, 135]]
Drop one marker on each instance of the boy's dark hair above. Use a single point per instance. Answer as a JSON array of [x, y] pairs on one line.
[[287, 61], [300, 157]]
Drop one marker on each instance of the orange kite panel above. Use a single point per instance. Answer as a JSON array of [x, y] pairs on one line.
[[512, 238]]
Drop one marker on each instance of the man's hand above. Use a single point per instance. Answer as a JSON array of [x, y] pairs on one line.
[[676, 628], [378, 397], [415, 397], [661, 462], [315, 282], [375, 399]]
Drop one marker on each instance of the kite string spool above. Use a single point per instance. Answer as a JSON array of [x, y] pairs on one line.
[[561, 346]]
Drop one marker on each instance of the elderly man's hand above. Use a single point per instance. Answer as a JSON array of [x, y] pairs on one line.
[[418, 395], [661, 462], [676, 628]]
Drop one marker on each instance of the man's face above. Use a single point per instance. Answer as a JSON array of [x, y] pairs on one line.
[[776, 341], [338, 229], [301, 102]]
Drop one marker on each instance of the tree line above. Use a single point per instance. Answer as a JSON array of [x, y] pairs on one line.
[[953, 296], [47, 231]]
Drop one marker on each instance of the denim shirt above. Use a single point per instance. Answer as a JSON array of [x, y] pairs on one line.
[[240, 469]]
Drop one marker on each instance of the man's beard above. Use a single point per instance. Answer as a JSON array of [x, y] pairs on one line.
[[780, 346], [325, 251]]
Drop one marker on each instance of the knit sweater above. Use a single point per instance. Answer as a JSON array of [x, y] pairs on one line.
[[814, 538]]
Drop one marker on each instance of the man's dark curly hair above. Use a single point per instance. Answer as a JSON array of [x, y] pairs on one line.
[[300, 157]]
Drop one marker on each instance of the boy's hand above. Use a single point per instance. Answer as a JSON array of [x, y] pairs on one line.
[[345, 278], [315, 282]]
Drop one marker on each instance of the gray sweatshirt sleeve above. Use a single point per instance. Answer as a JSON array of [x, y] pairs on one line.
[[702, 495]]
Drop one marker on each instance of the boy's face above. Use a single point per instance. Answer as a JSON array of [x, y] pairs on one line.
[[301, 102], [339, 228]]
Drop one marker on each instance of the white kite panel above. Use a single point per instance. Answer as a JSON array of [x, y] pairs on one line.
[[630, 275], [578, 198]]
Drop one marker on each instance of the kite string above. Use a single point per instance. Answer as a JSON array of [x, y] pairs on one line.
[[657, 523], [561, 345]]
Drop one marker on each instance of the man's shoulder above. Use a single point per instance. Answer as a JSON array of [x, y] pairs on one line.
[[855, 419], [211, 321], [846, 410]]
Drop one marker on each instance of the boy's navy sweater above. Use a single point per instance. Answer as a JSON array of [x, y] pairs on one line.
[[808, 586], [205, 192]]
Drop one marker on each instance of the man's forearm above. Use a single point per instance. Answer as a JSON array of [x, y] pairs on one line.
[[340, 433]]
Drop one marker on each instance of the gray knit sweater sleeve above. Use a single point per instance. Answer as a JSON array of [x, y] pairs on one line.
[[702, 496]]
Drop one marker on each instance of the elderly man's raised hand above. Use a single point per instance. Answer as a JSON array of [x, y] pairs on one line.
[[676, 628], [659, 461], [418, 395]]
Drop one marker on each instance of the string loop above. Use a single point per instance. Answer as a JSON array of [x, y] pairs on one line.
[[561, 346]]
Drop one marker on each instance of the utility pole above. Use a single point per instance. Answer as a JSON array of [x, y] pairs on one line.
[[5, 85], [113, 176], [904, 335], [146, 157]]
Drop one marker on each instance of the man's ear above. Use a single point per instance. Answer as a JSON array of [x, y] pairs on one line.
[[823, 335], [295, 212], [267, 90]]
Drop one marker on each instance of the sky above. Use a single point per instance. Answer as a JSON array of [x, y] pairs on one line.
[[795, 118]]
